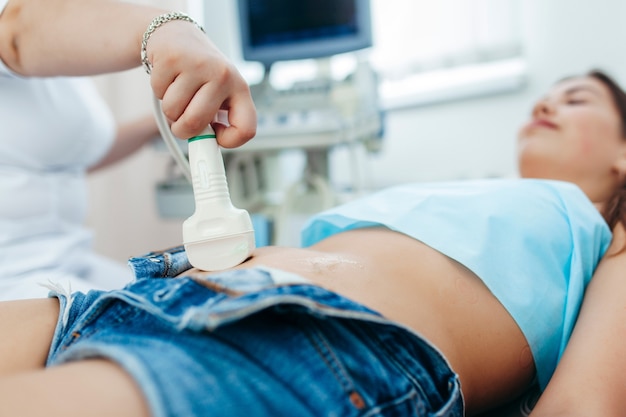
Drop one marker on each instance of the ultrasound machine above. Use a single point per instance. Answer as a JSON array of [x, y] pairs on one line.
[[304, 122]]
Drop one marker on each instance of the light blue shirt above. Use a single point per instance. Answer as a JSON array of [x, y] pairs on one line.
[[534, 243]]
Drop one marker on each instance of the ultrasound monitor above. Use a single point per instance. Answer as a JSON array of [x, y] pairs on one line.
[[284, 30]]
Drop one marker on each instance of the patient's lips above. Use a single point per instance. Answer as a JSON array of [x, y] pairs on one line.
[[535, 125], [542, 123]]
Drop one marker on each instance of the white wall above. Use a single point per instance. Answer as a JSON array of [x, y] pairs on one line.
[[471, 138]]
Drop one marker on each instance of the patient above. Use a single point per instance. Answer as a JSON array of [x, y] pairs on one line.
[[441, 299]]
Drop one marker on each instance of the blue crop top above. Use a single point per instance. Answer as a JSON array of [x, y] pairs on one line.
[[534, 243]]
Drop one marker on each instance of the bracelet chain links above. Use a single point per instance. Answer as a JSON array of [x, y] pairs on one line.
[[154, 25]]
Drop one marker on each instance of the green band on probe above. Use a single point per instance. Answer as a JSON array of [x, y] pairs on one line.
[[195, 138]]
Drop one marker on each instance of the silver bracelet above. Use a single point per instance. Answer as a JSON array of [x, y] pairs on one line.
[[154, 25]]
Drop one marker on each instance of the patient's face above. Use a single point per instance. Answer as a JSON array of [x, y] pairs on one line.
[[574, 135]]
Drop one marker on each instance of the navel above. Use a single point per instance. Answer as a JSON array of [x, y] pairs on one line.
[[526, 357]]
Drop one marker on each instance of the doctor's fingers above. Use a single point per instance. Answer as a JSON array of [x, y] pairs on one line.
[[242, 121], [191, 106], [235, 98]]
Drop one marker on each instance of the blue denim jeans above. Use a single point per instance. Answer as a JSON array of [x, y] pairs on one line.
[[255, 342]]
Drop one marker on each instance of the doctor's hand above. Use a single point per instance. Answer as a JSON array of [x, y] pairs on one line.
[[194, 80]]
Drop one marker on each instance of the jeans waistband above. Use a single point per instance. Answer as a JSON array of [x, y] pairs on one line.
[[166, 263]]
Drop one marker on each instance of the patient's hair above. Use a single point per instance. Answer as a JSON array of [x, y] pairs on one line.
[[619, 96], [615, 210]]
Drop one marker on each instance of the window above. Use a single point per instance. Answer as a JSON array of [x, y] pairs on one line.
[[427, 51], [424, 51]]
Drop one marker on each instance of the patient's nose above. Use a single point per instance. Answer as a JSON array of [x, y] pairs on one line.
[[542, 108]]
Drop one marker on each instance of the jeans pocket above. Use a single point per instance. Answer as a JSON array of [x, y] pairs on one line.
[[385, 370], [374, 381]]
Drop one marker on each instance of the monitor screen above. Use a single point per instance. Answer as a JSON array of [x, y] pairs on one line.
[[283, 30]]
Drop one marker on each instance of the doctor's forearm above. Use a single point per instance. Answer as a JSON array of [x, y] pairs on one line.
[[72, 37]]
